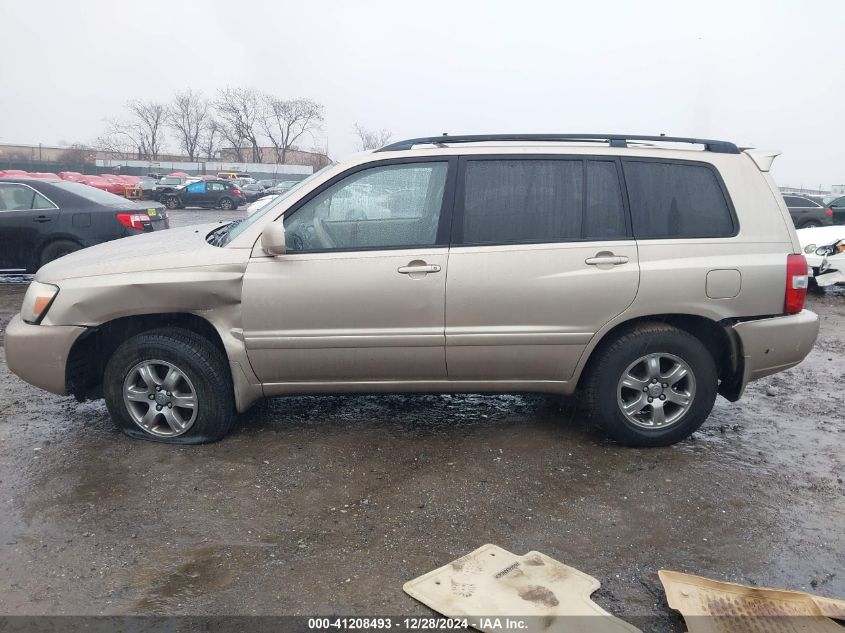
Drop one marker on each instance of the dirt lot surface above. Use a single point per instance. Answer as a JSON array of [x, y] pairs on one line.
[[319, 505]]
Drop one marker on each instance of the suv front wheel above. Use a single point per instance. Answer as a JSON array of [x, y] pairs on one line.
[[653, 386], [170, 385]]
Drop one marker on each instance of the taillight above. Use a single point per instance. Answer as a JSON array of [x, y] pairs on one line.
[[134, 220], [797, 278], [828, 212], [236, 191]]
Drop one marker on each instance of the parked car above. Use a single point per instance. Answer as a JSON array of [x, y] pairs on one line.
[[806, 213], [168, 184], [252, 191], [824, 248], [73, 176], [42, 220], [261, 202], [837, 207], [104, 184], [280, 187], [648, 279], [147, 186], [206, 194]]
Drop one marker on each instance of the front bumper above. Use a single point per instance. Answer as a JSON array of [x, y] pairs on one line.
[[39, 353], [773, 344]]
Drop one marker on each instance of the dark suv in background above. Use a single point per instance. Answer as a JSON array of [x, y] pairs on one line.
[[806, 212], [207, 194]]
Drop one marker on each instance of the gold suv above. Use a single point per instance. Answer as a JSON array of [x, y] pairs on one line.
[[647, 273]]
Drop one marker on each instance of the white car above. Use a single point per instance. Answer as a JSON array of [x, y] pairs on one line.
[[260, 203], [824, 249]]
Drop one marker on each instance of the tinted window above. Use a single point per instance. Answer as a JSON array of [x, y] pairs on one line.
[[541, 200], [798, 202], [216, 186], [676, 200], [604, 213], [382, 207], [838, 203]]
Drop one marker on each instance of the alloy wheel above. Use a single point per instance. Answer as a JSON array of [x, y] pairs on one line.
[[160, 398], [656, 390]]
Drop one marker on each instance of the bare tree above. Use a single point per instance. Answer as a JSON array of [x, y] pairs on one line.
[[285, 121], [148, 121], [210, 138], [187, 115], [141, 135], [121, 141], [370, 139], [239, 111]]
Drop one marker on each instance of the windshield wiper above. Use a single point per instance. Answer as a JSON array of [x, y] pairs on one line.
[[219, 235]]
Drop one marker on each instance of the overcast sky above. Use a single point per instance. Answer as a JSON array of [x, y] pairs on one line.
[[768, 74]]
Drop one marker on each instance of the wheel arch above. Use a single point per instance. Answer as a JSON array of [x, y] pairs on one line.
[[90, 352], [52, 239], [720, 340]]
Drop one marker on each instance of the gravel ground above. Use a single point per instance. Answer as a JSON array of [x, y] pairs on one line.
[[319, 505]]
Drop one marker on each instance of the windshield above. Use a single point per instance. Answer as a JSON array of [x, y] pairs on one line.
[[170, 181], [236, 229], [90, 193]]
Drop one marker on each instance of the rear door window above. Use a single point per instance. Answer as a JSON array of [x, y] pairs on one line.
[[677, 200], [540, 200], [799, 203]]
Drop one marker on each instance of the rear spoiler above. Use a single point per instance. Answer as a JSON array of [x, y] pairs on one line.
[[763, 158]]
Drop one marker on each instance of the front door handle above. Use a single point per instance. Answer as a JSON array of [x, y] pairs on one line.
[[418, 269], [42, 218], [425, 268], [606, 259]]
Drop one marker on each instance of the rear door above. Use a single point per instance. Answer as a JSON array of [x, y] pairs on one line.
[[27, 217], [542, 257]]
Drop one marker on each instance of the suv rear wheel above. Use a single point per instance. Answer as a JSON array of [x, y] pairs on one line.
[[653, 386], [227, 204], [170, 385]]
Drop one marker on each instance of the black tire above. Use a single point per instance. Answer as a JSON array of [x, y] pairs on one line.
[[58, 248], [171, 202], [227, 204], [198, 359], [611, 360]]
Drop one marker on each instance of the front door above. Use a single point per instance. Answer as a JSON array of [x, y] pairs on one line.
[[359, 296], [541, 259]]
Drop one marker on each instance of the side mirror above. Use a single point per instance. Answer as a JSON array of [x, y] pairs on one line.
[[273, 239]]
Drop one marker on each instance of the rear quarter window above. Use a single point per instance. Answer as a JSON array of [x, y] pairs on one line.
[[677, 200]]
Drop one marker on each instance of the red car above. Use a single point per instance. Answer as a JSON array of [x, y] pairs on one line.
[[72, 176], [102, 183]]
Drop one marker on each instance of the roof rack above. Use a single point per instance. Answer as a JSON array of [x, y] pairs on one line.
[[615, 140]]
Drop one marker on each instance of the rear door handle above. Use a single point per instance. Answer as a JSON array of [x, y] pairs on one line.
[[42, 218], [606, 259], [418, 268]]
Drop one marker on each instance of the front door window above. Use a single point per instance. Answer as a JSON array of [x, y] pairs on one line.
[[393, 206]]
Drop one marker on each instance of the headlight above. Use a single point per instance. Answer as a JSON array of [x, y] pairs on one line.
[[37, 301], [824, 251], [810, 249]]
